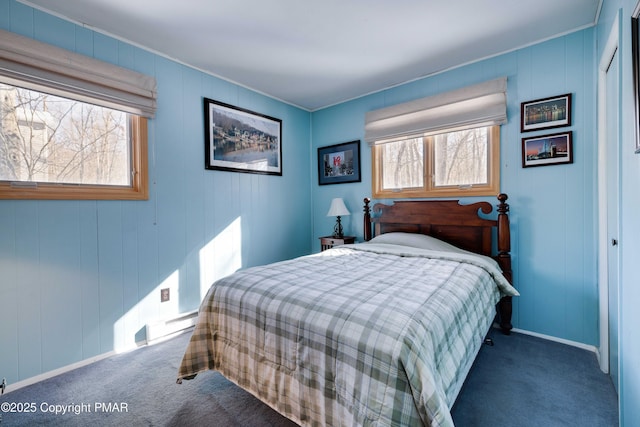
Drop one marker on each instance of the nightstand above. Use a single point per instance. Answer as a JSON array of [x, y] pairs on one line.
[[327, 242]]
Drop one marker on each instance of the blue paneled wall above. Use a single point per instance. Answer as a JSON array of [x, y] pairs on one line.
[[82, 278], [554, 237]]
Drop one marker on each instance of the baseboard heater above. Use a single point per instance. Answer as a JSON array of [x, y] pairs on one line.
[[168, 327]]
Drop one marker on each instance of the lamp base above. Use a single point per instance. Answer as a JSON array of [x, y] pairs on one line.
[[337, 229]]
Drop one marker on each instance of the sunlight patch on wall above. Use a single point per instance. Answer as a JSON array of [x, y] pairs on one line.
[[221, 256], [127, 331]]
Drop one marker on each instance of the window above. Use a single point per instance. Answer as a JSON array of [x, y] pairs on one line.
[[71, 127], [440, 146], [458, 163], [51, 147]]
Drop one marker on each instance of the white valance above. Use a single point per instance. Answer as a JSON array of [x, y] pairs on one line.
[[31, 64], [483, 104]]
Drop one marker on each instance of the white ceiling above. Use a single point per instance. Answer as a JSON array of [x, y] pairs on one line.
[[314, 54]]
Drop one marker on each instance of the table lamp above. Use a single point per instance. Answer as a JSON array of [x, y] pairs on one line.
[[338, 209]]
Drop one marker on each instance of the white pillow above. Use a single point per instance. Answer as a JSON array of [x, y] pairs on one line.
[[422, 241], [414, 240]]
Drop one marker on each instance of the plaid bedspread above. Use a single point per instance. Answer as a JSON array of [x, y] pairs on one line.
[[365, 334]]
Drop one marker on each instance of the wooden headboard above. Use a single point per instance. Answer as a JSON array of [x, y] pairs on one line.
[[455, 223]]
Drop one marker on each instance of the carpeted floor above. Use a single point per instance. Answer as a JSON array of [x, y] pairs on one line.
[[521, 381], [526, 381]]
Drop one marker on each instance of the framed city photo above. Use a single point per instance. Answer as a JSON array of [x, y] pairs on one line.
[[240, 140], [545, 113], [340, 163], [547, 150]]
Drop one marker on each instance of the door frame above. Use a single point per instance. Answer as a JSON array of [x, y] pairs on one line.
[[608, 54]]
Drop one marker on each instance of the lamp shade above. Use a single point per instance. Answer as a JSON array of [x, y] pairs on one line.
[[337, 208]]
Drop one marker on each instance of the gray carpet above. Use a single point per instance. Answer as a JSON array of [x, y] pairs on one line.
[[526, 381], [520, 381]]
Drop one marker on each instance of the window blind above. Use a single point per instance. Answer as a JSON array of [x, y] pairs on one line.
[[34, 65], [483, 104]]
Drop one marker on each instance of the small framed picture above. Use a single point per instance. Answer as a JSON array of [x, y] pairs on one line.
[[339, 164], [545, 113], [241, 140], [547, 150]]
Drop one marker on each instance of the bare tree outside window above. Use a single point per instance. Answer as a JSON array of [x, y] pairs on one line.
[[460, 158], [403, 164], [50, 139]]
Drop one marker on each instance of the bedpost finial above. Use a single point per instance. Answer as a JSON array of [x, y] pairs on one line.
[[367, 220], [503, 207], [504, 233]]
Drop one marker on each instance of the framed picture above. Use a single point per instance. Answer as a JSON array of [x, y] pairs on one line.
[[545, 113], [240, 140], [340, 163], [635, 48], [547, 150]]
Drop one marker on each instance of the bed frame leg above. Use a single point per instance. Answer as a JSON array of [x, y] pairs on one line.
[[504, 259], [504, 314]]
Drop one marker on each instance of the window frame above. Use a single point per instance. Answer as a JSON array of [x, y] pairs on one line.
[[429, 189], [138, 190], [34, 65]]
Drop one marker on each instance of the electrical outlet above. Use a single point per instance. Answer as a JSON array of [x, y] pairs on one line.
[[164, 295]]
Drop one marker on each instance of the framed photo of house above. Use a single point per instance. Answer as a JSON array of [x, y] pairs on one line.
[[545, 113], [547, 150], [339, 164], [635, 49], [241, 140]]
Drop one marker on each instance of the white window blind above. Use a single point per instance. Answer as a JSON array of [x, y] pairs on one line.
[[483, 104], [39, 66]]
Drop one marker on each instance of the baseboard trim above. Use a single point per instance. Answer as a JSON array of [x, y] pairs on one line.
[[583, 346], [54, 373]]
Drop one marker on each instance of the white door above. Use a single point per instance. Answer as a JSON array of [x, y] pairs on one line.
[[613, 200]]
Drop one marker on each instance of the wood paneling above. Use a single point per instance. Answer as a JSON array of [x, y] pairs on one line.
[[81, 278]]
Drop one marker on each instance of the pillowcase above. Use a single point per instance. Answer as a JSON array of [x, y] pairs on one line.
[[421, 241]]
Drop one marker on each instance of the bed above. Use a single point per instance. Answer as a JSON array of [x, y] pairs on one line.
[[377, 333]]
